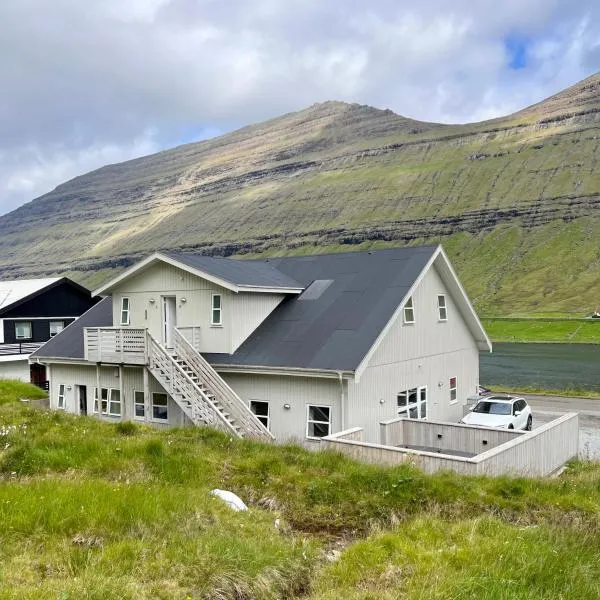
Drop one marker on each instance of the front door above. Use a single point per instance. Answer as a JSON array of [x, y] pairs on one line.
[[82, 399], [169, 319]]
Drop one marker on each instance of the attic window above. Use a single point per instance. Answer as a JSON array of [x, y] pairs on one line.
[[124, 311], [216, 313], [442, 310], [315, 290], [409, 311]]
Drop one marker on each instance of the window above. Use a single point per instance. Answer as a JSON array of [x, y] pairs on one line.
[[409, 311], [318, 422], [104, 394], [442, 310], [139, 406], [60, 403], [412, 404], [125, 309], [261, 410], [56, 327], [23, 330], [453, 386], [216, 316], [160, 407], [114, 406]]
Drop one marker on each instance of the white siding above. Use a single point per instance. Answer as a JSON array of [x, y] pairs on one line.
[[77, 375], [426, 353], [15, 369], [241, 313], [298, 392]]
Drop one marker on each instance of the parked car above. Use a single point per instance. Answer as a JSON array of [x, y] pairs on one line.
[[506, 412]]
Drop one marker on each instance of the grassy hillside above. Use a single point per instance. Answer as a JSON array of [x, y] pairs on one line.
[[569, 331], [96, 510], [514, 200]]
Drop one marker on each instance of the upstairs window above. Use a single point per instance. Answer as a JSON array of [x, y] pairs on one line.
[[56, 327], [23, 330], [453, 389], [125, 311], [409, 311], [442, 310], [318, 422], [216, 313], [60, 402], [261, 410]]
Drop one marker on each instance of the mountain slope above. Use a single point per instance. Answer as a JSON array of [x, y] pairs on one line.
[[514, 200]]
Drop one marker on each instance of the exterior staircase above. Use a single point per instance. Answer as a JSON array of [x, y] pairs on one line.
[[200, 391]]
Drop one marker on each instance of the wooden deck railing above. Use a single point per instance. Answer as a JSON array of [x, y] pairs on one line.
[[117, 345]]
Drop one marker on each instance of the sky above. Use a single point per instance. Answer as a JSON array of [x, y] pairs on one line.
[[84, 84]]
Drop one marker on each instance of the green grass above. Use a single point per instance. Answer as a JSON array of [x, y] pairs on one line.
[[569, 331], [98, 510], [12, 391]]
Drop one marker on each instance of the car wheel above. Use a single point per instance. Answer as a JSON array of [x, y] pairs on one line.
[[511, 426], [529, 425]]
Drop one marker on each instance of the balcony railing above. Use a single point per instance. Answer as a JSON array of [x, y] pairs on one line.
[[116, 345], [20, 348]]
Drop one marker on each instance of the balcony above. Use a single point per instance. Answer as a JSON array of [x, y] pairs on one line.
[[116, 345], [19, 348]]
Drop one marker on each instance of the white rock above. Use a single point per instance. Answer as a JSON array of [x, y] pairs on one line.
[[234, 502]]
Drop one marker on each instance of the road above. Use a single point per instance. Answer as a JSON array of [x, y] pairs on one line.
[[546, 408]]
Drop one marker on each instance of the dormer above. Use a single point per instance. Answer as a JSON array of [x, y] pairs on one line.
[[216, 303]]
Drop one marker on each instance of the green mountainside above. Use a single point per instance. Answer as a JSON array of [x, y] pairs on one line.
[[514, 200]]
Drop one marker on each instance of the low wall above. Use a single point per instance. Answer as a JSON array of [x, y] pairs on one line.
[[444, 436], [535, 453]]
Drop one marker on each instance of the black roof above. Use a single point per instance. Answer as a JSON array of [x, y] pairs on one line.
[[69, 342], [238, 272], [348, 300]]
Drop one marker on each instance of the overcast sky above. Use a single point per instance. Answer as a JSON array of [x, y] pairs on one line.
[[86, 83]]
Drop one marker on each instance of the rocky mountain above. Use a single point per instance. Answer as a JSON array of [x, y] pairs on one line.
[[514, 200]]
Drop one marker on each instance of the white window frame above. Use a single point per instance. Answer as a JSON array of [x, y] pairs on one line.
[[314, 421], [102, 400], [442, 308], [453, 390], [60, 400], [409, 306], [111, 402], [267, 417], [404, 411], [54, 323], [125, 311], [160, 419], [218, 309], [136, 403], [23, 337]]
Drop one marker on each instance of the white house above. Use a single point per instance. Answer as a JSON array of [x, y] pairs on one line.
[[284, 348]]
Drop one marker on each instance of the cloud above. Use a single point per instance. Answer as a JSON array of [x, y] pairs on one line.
[[86, 83]]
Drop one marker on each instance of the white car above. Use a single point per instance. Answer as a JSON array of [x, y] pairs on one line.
[[506, 412]]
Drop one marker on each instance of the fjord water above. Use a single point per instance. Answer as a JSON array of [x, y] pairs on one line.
[[549, 366]]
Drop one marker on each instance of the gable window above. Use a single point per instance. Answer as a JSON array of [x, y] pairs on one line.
[[412, 403], [217, 310], [318, 422], [125, 310], [409, 311], [139, 405], [56, 327], [160, 407], [60, 401], [453, 388], [23, 330], [442, 310], [261, 410]]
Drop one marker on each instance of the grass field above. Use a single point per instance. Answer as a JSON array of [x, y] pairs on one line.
[[96, 510], [571, 331]]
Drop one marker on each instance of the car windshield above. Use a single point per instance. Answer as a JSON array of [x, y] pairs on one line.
[[492, 408]]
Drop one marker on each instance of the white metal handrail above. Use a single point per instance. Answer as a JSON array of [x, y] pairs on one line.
[[232, 403]]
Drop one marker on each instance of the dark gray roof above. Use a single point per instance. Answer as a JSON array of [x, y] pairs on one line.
[[348, 300], [355, 295], [238, 272], [69, 342]]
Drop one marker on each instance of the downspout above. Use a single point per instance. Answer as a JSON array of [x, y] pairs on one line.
[[342, 401]]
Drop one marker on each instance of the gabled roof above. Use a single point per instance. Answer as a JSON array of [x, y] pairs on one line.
[[69, 342], [19, 289], [235, 275]]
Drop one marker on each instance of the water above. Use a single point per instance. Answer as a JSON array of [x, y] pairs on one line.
[[550, 366]]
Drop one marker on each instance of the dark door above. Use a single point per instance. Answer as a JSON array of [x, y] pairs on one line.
[[37, 375], [82, 400]]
